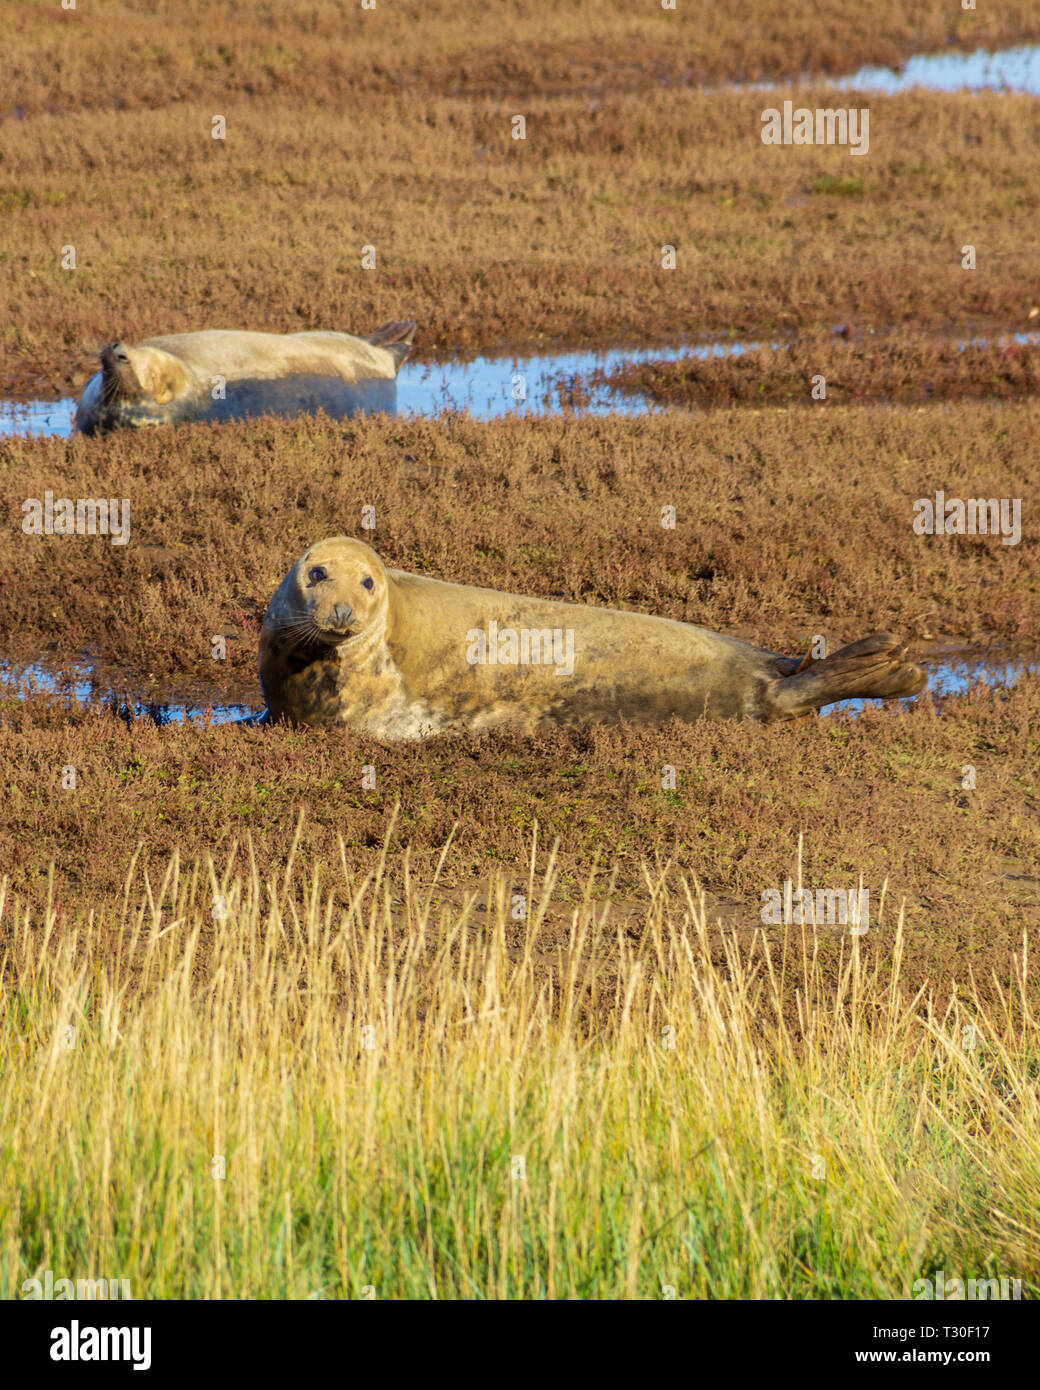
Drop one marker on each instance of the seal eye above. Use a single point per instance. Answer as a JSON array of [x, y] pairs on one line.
[[367, 582], [316, 575]]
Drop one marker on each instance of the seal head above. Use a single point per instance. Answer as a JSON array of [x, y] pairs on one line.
[[136, 386], [331, 608]]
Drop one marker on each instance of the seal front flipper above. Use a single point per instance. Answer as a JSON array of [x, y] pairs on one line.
[[874, 668], [396, 338]]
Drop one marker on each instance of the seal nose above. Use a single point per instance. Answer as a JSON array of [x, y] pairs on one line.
[[341, 615]]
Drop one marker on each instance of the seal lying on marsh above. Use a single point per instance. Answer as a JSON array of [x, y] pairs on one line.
[[225, 375], [347, 641]]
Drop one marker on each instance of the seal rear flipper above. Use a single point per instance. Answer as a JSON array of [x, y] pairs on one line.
[[395, 337], [874, 668]]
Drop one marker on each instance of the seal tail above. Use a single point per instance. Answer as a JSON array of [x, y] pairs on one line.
[[395, 337], [874, 668]]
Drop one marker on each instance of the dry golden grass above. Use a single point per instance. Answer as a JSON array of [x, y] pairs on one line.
[[889, 369], [881, 795], [485, 240], [288, 1086], [132, 56], [788, 524]]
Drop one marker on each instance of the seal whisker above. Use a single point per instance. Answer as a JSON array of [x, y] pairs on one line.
[[300, 632]]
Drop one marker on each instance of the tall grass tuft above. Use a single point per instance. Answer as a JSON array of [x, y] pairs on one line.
[[321, 1086]]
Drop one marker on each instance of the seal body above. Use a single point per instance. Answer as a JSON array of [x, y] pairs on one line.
[[222, 375], [347, 641]]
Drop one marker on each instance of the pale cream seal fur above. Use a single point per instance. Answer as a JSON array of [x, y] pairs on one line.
[[348, 642], [225, 375]]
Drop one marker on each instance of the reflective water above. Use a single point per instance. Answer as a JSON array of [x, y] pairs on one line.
[[488, 387], [25, 418], [77, 683], [955, 676], [1008, 70], [949, 676], [492, 387]]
